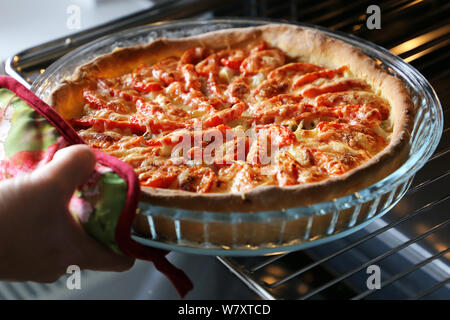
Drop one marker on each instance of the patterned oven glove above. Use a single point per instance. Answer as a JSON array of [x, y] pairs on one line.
[[30, 134]]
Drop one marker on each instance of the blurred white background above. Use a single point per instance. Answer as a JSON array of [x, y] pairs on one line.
[[25, 23]]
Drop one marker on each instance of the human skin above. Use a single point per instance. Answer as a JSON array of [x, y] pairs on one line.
[[39, 238]]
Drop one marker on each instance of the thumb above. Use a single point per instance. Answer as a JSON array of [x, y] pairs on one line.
[[69, 168]]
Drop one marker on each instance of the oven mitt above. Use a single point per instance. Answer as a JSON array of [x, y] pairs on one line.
[[30, 134]]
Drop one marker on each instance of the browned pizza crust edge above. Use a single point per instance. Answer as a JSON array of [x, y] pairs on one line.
[[309, 45]]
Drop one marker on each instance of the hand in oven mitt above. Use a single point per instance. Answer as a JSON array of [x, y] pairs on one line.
[[105, 201]]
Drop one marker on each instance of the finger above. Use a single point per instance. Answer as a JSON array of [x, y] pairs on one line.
[[70, 167], [96, 256], [89, 253]]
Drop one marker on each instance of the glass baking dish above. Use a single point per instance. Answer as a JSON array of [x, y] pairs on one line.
[[271, 232]]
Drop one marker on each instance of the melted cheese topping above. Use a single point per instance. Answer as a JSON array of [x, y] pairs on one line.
[[310, 122]]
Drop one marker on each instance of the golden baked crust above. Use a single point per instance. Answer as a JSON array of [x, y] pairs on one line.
[[307, 45]]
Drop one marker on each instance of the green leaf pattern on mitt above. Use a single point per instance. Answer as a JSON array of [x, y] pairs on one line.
[[28, 140]]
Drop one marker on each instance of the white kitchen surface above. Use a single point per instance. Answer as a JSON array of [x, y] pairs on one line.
[[25, 23], [211, 281]]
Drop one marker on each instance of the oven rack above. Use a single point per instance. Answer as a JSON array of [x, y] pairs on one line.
[[255, 276], [415, 233], [426, 47]]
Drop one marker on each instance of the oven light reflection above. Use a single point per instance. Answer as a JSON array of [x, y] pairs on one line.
[[420, 40]]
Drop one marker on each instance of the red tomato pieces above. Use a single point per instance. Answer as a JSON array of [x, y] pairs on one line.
[[262, 61], [313, 76], [226, 115], [206, 98], [106, 124], [147, 87]]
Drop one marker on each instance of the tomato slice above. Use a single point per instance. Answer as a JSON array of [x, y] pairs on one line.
[[313, 76], [226, 115], [291, 69], [106, 124], [262, 61], [209, 65], [197, 179], [287, 169], [166, 71], [190, 77], [160, 180], [243, 176], [337, 99], [295, 112], [270, 88], [156, 126], [147, 87], [238, 89], [268, 140], [96, 101], [282, 136], [343, 85], [232, 64], [232, 58], [193, 56], [359, 113]]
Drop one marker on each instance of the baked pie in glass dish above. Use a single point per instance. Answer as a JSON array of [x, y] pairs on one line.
[[249, 137]]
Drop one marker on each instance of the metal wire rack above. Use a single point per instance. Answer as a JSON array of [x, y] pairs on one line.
[[411, 243], [258, 276], [318, 273]]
